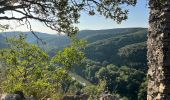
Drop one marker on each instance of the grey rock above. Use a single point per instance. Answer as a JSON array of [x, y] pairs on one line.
[[11, 97], [76, 97]]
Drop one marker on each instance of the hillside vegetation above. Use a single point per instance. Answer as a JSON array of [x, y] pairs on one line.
[[117, 56]]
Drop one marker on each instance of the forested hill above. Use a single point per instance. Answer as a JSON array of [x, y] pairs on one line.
[[117, 56], [127, 47], [122, 46]]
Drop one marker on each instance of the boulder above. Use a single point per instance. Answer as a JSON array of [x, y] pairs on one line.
[[76, 97], [16, 96], [109, 97], [11, 97]]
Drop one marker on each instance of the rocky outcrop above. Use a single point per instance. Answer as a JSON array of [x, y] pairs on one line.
[[108, 96], [11, 97], [15, 97], [76, 97]]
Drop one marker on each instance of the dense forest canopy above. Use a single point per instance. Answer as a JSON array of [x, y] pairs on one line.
[[108, 62]]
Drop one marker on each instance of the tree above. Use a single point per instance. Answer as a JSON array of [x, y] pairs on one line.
[[95, 91], [71, 55], [142, 93], [124, 80], [25, 71], [60, 15], [29, 69], [158, 50], [109, 74]]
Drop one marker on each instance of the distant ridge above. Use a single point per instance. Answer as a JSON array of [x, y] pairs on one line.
[[102, 44]]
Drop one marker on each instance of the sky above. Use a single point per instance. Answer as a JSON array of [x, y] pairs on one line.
[[138, 17]]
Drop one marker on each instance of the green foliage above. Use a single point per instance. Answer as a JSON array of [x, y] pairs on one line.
[[129, 80], [95, 90], [142, 94], [80, 78], [60, 15], [92, 91], [134, 55], [29, 69], [104, 47], [129, 49], [88, 70], [70, 55], [124, 98], [109, 73], [123, 81], [24, 67], [108, 48]]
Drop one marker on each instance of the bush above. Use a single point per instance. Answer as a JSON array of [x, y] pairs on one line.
[[30, 70]]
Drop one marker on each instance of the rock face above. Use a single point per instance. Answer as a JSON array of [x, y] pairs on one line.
[[76, 97], [109, 97], [11, 97], [159, 50], [15, 97]]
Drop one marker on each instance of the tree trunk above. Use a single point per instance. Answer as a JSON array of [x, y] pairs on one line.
[[159, 51]]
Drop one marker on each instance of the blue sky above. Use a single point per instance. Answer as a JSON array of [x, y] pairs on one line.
[[138, 17]]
